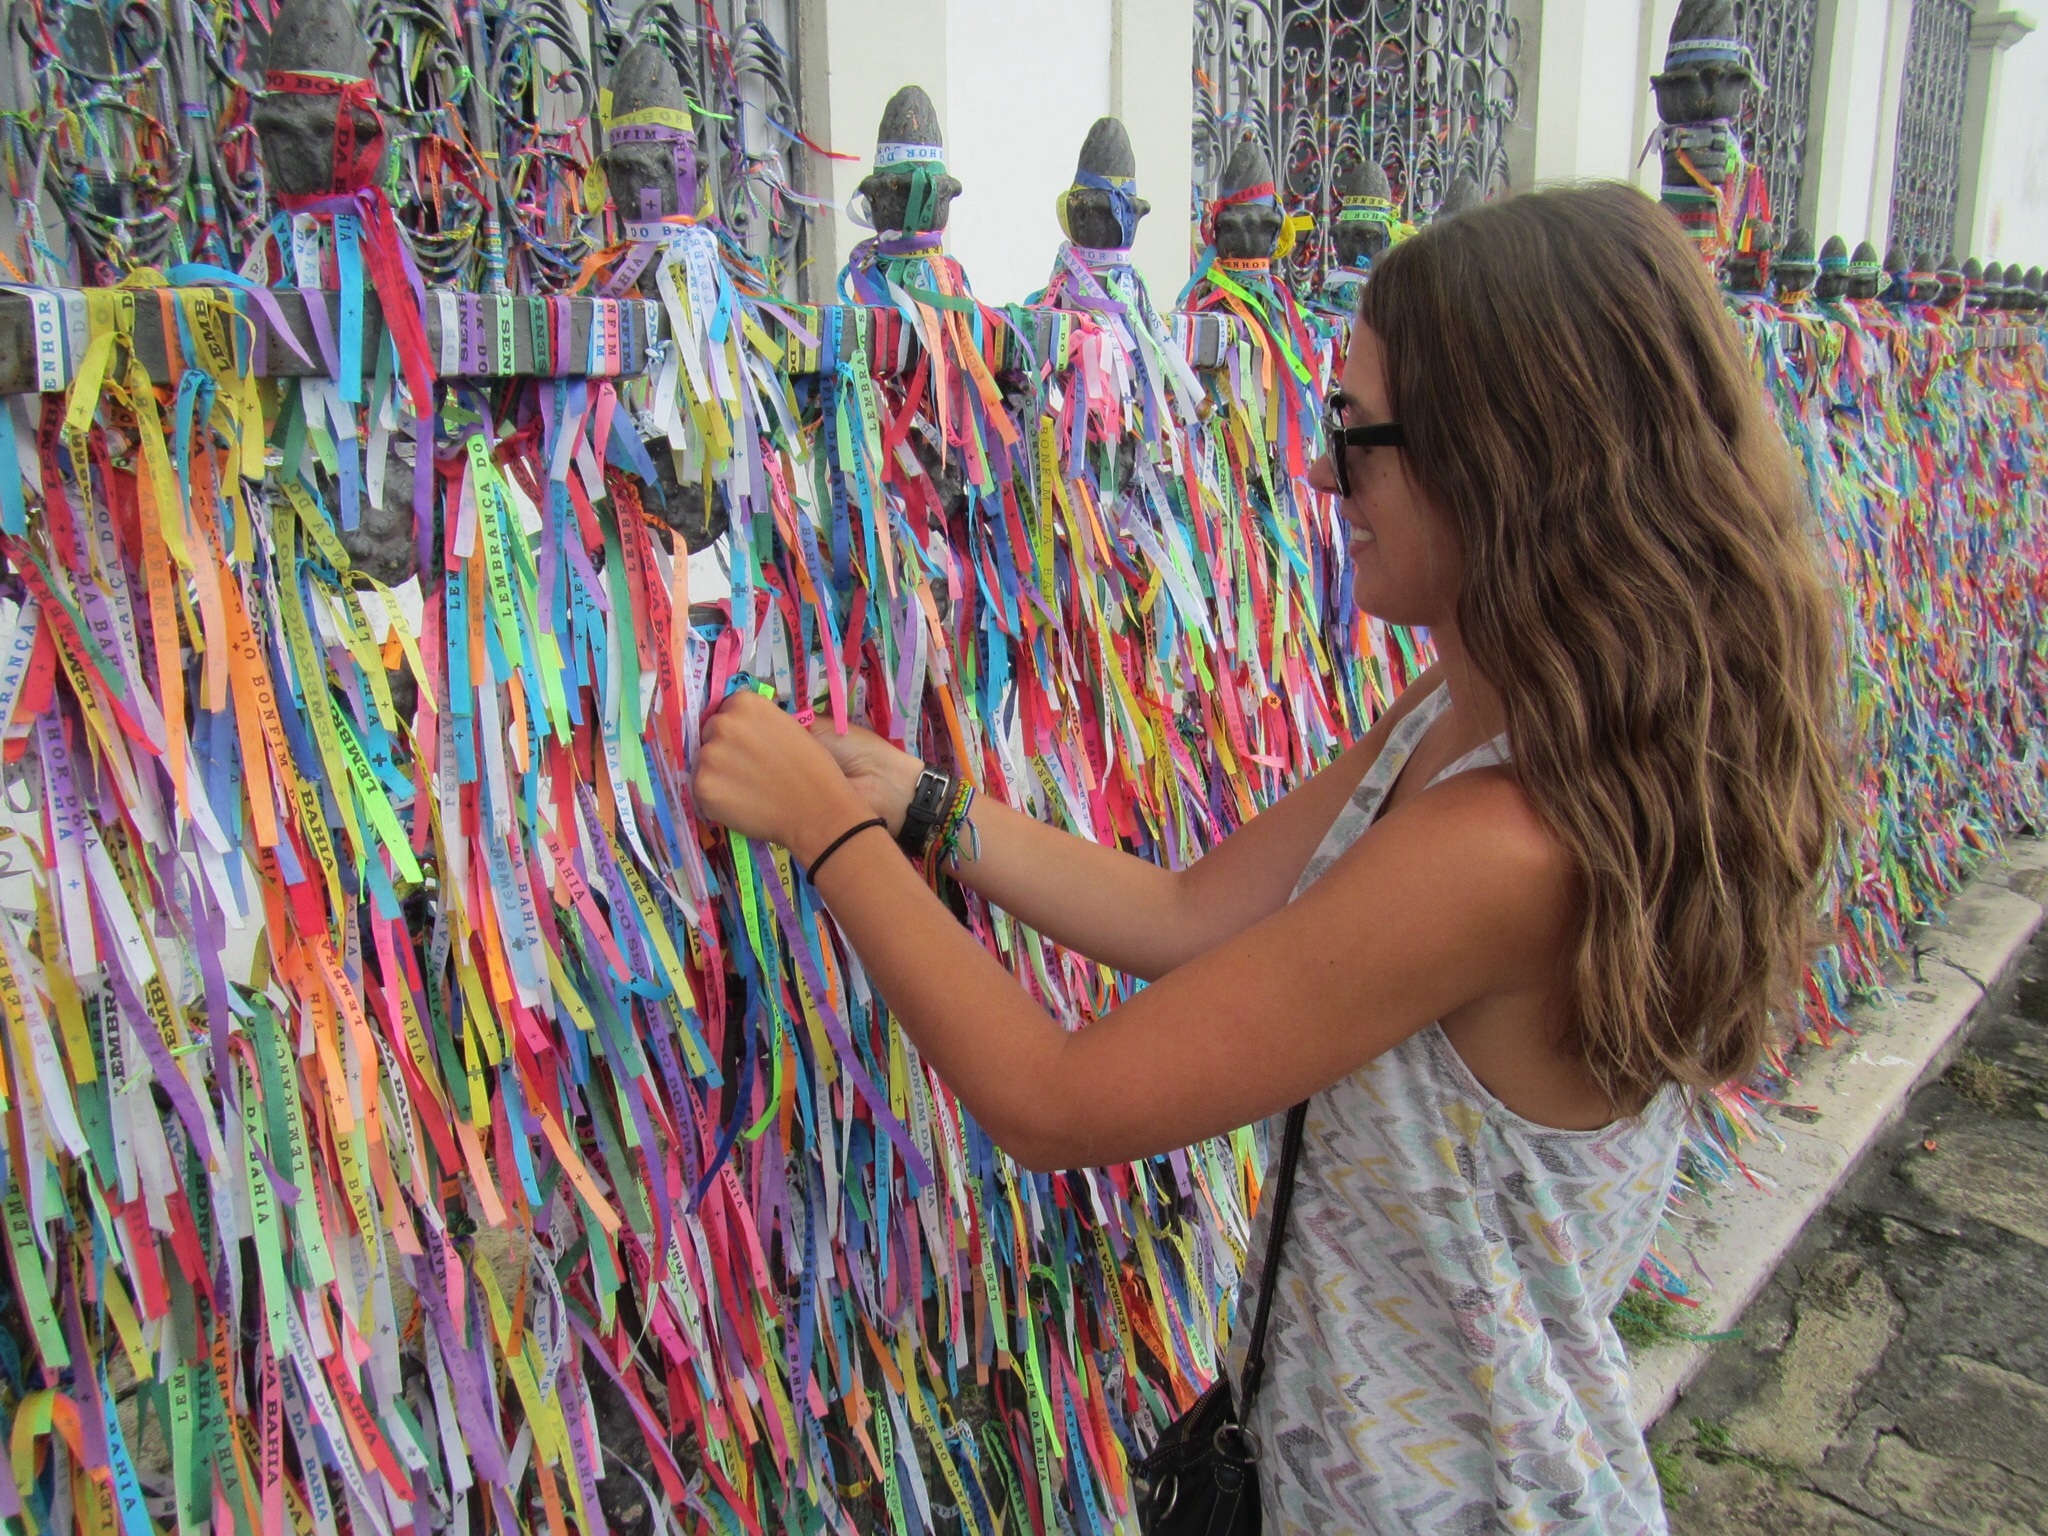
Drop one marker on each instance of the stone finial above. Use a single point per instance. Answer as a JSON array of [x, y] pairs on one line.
[[1750, 271], [1896, 286], [1707, 75], [1991, 292], [1796, 267], [1973, 285], [1925, 279], [295, 128], [650, 148], [1707, 68], [1833, 279], [1244, 222], [1102, 208], [1998, 287], [382, 545], [1365, 214], [2011, 288], [1865, 274], [681, 505], [1948, 281], [2037, 295], [909, 191], [1465, 194]]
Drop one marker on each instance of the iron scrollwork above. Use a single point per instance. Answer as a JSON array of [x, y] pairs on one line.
[[1426, 87], [741, 69], [129, 142], [1237, 83], [1927, 173], [127, 138], [1774, 123], [524, 101]]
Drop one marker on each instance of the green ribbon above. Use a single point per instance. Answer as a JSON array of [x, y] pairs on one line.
[[1277, 332], [920, 214]]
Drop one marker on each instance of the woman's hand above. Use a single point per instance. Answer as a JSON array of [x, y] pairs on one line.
[[761, 774], [885, 775]]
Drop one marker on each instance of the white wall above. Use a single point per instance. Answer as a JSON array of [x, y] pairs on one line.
[[1896, 17], [1589, 82], [1859, 60], [1652, 38], [1017, 84], [1025, 83], [2014, 226], [854, 54], [1587, 70], [1152, 88]]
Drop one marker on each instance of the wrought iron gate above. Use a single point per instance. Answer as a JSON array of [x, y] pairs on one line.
[[125, 130], [1774, 128], [1426, 87], [542, 62], [1927, 174], [1237, 81]]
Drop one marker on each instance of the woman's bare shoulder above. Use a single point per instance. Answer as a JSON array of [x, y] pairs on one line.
[[1478, 839]]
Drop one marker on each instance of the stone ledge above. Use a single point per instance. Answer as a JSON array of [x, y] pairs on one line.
[[1847, 1096]]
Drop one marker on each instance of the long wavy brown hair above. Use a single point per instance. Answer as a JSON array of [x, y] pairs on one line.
[[1642, 586]]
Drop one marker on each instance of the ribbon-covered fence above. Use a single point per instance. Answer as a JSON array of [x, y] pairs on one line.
[[1923, 438], [418, 1120]]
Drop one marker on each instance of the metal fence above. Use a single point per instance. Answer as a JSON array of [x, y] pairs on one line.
[[1237, 82], [1426, 87], [127, 141], [1774, 126], [1927, 174]]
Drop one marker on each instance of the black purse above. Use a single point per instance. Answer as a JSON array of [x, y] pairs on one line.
[[1202, 1478]]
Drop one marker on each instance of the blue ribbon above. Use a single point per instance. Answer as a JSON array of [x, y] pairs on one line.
[[348, 261], [13, 506], [1123, 202]]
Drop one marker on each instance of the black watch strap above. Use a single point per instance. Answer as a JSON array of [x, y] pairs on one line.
[[927, 805]]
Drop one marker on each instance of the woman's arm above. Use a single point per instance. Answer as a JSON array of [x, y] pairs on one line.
[[1457, 896], [1123, 911]]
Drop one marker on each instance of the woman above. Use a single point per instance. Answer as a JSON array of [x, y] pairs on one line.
[[1563, 882]]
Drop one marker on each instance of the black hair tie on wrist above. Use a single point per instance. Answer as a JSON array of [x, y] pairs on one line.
[[840, 842]]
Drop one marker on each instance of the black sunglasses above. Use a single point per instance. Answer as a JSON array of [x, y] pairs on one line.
[[1338, 438]]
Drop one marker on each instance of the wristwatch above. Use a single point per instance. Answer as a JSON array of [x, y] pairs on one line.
[[927, 805]]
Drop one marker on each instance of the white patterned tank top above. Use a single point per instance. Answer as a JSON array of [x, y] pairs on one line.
[[1440, 1357]]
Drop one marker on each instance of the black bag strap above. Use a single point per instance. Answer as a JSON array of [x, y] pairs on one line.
[[1283, 1200]]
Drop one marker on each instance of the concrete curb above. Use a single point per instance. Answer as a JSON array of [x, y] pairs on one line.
[[1850, 1095]]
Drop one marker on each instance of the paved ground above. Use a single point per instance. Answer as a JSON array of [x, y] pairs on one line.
[[1893, 1377]]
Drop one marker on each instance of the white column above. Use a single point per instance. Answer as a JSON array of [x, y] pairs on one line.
[[1653, 40], [1589, 82], [1892, 90], [1859, 58], [854, 55], [1024, 83], [1991, 39], [1016, 87], [1152, 88]]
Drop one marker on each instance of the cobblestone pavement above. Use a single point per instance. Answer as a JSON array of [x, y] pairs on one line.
[[1893, 1377]]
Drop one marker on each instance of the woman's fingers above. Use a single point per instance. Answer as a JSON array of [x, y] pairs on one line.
[[761, 774], [884, 773], [853, 747]]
